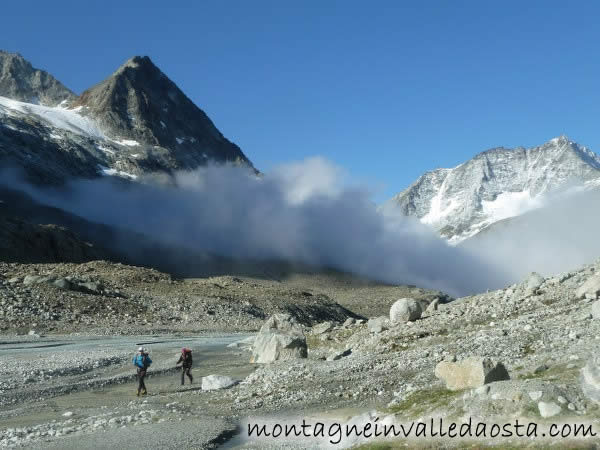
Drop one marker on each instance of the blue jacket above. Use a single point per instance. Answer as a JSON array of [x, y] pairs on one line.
[[142, 361]]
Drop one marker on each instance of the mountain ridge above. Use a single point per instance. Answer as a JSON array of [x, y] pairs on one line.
[[495, 184], [136, 122], [19, 80]]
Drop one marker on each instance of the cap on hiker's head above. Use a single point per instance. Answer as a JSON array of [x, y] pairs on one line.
[[183, 350], [141, 349]]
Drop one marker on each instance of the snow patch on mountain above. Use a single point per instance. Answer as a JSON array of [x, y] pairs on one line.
[[56, 117]]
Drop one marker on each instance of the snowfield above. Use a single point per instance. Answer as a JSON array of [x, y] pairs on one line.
[[57, 117]]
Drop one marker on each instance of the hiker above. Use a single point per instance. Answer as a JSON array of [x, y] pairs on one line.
[[141, 361], [186, 365]]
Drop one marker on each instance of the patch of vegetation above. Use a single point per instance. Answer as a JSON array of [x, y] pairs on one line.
[[425, 401], [527, 350], [559, 372]]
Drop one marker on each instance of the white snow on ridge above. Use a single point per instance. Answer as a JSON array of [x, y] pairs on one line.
[[58, 117], [128, 142], [114, 172]]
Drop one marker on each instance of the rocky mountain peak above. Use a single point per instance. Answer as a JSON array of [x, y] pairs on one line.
[[19, 80], [139, 104], [496, 184]]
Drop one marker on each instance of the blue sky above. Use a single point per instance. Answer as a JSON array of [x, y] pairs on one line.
[[385, 89]]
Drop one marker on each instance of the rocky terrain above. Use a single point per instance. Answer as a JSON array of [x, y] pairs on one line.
[[385, 365], [110, 298], [496, 184]]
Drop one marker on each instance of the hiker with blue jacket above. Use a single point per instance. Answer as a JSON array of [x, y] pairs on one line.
[[141, 361]]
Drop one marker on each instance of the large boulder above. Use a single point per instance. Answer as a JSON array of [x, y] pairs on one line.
[[470, 373], [596, 309], [405, 310], [548, 409], [590, 381], [589, 289], [280, 338], [213, 382], [533, 282]]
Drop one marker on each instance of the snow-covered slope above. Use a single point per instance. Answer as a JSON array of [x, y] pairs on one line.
[[497, 184], [57, 117]]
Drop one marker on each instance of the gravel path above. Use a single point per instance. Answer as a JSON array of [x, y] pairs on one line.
[[201, 433]]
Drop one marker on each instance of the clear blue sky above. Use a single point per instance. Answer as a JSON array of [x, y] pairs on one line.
[[386, 89]]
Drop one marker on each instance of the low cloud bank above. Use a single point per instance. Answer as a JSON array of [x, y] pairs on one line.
[[560, 236], [299, 212]]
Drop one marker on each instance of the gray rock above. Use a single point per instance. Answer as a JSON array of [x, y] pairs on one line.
[[324, 327], [591, 288], [596, 309], [535, 395], [548, 409], [470, 373], [214, 382], [63, 283], [433, 306], [348, 322], [590, 381], [377, 324], [280, 338], [32, 279], [533, 282], [405, 310], [482, 390]]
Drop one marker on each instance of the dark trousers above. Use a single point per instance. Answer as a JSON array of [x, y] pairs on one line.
[[141, 374], [186, 371]]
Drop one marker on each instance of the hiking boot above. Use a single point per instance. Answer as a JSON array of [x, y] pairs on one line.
[[138, 393], [144, 392]]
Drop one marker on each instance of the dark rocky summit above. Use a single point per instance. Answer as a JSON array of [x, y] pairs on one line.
[[138, 102]]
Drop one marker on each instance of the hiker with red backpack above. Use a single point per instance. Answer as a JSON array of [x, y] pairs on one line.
[[141, 361], [185, 359]]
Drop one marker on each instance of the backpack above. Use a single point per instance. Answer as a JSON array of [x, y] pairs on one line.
[[187, 358], [142, 361]]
